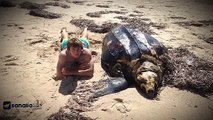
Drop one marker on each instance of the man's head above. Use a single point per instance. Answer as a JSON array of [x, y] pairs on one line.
[[75, 47]]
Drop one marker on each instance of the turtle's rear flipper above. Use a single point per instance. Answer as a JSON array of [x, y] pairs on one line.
[[113, 85]]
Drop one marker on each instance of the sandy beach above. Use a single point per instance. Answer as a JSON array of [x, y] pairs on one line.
[[29, 52]]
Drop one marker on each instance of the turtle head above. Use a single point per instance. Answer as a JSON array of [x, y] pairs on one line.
[[148, 83]]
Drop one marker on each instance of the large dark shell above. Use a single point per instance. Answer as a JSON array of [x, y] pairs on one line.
[[129, 44]]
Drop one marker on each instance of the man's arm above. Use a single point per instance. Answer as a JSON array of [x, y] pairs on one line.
[[60, 66], [86, 67], [87, 72]]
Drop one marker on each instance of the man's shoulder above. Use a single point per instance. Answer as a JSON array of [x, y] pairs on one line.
[[86, 56], [86, 52], [63, 53]]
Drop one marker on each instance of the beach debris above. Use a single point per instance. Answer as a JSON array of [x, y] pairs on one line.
[[31, 6], [103, 6], [36, 41], [136, 11], [186, 71], [139, 23], [201, 23], [177, 17], [143, 24], [38, 10], [145, 19], [21, 27], [109, 1], [94, 14], [77, 2], [140, 6], [11, 64], [104, 109], [121, 17], [44, 14], [92, 26], [119, 100], [62, 114], [80, 101], [169, 6], [99, 13], [57, 4], [135, 15], [90, 4]]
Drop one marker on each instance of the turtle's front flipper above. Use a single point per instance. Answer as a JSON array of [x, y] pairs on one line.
[[113, 85]]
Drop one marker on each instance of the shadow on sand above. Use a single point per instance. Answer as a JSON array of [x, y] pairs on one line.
[[69, 84]]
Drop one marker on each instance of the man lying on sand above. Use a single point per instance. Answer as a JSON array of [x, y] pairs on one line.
[[75, 59]]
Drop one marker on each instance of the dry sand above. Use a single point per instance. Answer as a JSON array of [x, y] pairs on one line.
[[28, 58]]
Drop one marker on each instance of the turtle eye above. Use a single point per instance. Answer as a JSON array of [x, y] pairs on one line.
[[144, 81]]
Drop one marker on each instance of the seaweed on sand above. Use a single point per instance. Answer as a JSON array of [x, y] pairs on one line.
[[81, 101], [57, 4], [186, 71], [31, 6], [44, 14], [92, 26]]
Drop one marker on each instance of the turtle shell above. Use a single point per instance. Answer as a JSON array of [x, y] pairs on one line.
[[127, 44]]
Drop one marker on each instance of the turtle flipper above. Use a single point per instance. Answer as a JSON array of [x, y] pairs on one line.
[[113, 85]]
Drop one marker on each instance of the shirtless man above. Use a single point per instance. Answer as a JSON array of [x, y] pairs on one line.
[[75, 59]]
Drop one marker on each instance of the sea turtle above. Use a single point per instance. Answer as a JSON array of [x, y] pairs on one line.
[[129, 55]]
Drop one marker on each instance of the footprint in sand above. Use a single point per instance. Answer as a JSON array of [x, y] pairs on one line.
[[121, 106]]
